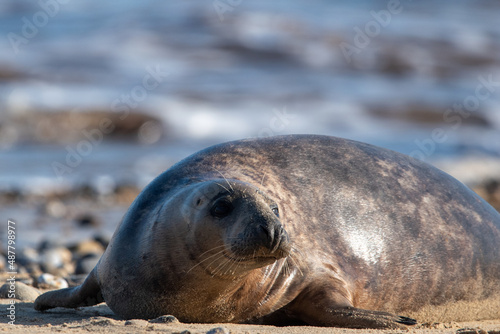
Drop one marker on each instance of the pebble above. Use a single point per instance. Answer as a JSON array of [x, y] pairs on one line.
[[88, 247], [150, 132], [472, 171], [56, 209], [490, 191], [74, 280], [126, 194], [50, 281], [104, 185], [218, 330], [86, 264], [28, 255], [54, 259], [22, 292], [437, 325], [32, 268], [471, 331], [102, 239], [102, 321], [165, 319], [49, 244], [136, 322], [87, 220]]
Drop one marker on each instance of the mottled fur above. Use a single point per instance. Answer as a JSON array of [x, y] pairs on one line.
[[368, 228]]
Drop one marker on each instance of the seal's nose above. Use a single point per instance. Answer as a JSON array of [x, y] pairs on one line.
[[271, 235]]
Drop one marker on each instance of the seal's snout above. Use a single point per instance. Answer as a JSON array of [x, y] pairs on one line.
[[264, 241], [273, 237], [268, 235]]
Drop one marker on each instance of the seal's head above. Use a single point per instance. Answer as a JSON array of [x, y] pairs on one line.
[[229, 227]]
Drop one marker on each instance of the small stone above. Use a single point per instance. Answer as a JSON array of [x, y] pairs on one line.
[[74, 280], [136, 322], [87, 247], [103, 185], [33, 269], [26, 280], [452, 325], [100, 321], [471, 331], [125, 194], [21, 292], [49, 244], [87, 220], [55, 258], [102, 239], [150, 132], [28, 256], [86, 264], [165, 319], [56, 209], [50, 281], [218, 330], [57, 261], [437, 325], [21, 270]]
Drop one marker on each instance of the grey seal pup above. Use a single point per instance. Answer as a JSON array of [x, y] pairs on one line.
[[298, 229]]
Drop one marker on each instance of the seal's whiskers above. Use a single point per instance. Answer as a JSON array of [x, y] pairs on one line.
[[262, 181], [209, 257]]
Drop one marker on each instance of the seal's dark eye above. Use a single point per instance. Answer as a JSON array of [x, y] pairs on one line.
[[276, 211], [221, 209]]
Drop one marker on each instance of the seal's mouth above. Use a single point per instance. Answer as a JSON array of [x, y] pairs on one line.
[[262, 255], [242, 259], [261, 244]]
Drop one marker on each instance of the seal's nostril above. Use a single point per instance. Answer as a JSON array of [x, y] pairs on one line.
[[268, 236], [264, 232], [277, 238]]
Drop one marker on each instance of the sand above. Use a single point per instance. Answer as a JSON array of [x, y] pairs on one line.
[[102, 320]]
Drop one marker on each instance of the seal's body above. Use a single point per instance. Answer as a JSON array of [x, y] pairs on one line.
[[310, 229]]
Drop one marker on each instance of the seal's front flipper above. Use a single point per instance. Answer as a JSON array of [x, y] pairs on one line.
[[87, 294]]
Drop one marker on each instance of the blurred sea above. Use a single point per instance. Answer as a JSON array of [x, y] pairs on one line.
[[420, 77]]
